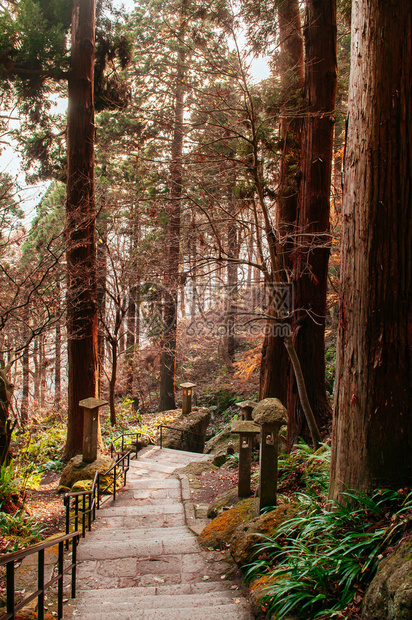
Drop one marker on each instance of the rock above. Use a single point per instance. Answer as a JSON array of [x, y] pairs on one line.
[[76, 469], [220, 458], [223, 501], [196, 469], [62, 489], [195, 422], [389, 596], [220, 531], [270, 411], [247, 536], [257, 592], [82, 485], [219, 442]]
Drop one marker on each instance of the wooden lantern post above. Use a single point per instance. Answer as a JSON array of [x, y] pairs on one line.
[[90, 408]]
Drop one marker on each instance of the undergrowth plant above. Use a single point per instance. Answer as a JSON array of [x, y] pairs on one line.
[[308, 470], [319, 559]]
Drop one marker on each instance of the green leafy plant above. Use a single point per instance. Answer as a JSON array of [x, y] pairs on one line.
[[9, 486], [20, 526], [318, 560], [308, 471]]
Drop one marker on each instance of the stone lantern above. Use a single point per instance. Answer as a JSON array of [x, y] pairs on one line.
[[246, 430], [270, 415], [90, 408], [246, 407], [187, 397]]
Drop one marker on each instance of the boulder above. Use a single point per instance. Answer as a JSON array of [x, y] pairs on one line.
[[195, 422], [219, 442], [82, 485], [76, 469], [222, 502], [243, 546], [389, 596], [220, 531], [270, 411]]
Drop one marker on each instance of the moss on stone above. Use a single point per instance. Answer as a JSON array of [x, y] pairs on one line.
[[220, 531], [77, 469], [389, 596], [246, 538], [223, 501], [195, 422]]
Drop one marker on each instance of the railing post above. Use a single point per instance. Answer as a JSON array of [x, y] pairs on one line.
[[40, 585], [60, 583], [75, 542], [84, 517], [114, 483], [10, 588], [76, 513]]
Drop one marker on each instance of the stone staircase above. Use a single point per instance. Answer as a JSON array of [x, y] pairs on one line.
[[141, 561]]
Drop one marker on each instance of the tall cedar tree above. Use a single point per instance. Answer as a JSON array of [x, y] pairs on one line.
[[310, 273], [372, 433], [80, 224], [168, 356], [275, 360]]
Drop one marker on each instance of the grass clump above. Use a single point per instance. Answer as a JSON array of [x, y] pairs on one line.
[[321, 558]]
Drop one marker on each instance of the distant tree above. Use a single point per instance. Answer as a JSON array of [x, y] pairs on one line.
[[274, 369], [313, 237], [372, 430]]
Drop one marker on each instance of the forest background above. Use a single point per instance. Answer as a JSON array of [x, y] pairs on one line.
[[193, 210]]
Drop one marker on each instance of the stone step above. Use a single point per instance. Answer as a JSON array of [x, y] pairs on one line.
[[215, 612], [141, 520], [128, 599], [148, 482], [169, 454], [111, 549], [164, 507], [124, 533]]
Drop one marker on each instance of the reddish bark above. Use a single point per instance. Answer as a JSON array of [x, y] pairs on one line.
[[312, 222], [80, 225], [372, 433], [275, 360]]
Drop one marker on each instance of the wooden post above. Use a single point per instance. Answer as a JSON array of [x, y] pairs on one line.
[[90, 408], [187, 397], [246, 431]]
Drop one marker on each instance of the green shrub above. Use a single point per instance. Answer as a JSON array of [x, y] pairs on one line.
[[319, 559]]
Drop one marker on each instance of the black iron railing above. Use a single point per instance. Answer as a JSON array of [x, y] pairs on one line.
[[195, 445], [81, 506], [126, 444], [10, 559]]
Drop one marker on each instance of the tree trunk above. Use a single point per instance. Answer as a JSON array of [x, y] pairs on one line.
[[112, 384], [80, 225], [275, 360], [372, 433], [101, 286], [168, 357], [312, 223], [232, 283], [43, 370], [24, 407], [57, 348]]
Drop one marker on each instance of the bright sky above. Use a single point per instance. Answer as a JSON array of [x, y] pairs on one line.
[[10, 160]]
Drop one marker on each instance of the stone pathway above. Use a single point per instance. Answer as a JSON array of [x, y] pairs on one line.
[[142, 562]]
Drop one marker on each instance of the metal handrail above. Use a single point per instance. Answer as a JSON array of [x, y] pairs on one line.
[[87, 510], [180, 430], [10, 559], [134, 444]]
